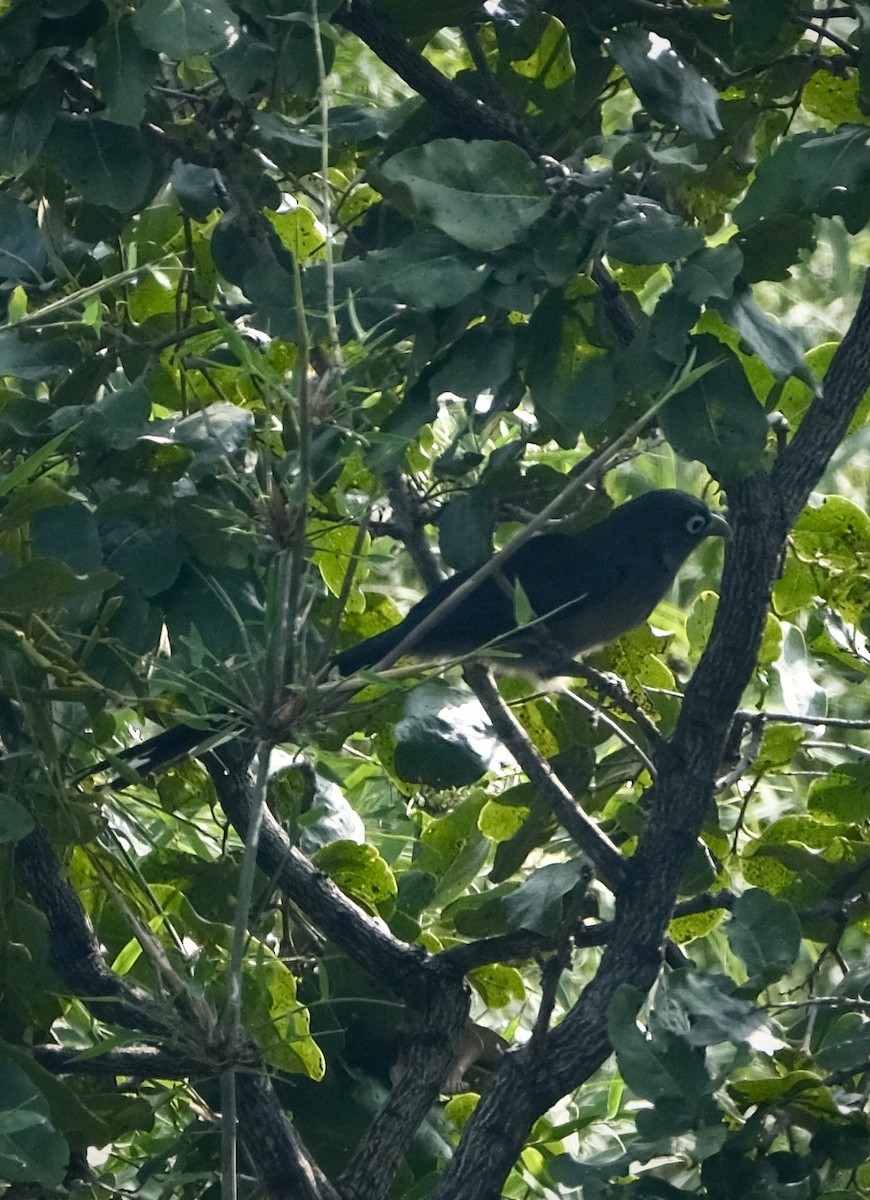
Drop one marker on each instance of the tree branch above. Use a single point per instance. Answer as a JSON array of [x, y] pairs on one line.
[[761, 509]]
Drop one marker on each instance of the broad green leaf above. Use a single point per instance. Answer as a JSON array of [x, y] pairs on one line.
[[147, 557], [669, 87], [760, 27], [704, 1009], [31, 1149], [485, 195], [25, 123], [538, 904], [846, 1044], [444, 738], [827, 174], [834, 98], [645, 233], [775, 345], [45, 582], [112, 165], [125, 71], [182, 28], [426, 270], [360, 872], [842, 796], [501, 822], [67, 532], [717, 419], [661, 1066], [15, 821], [276, 1018], [23, 256], [498, 985], [43, 359], [765, 933]]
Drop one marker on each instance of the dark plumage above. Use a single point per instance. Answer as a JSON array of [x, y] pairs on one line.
[[588, 587]]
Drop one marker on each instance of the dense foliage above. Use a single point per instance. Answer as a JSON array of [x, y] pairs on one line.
[[302, 303]]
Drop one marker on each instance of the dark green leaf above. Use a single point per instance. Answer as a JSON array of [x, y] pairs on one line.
[[827, 174], [25, 123], [147, 557], [669, 87], [485, 195], [772, 245], [705, 1010], [68, 532], [31, 1149], [444, 739], [125, 71], [645, 233], [22, 251], [15, 821], [765, 932], [181, 28], [43, 359], [538, 904], [211, 434], [776, 346], [717, 419], [110, 164], [846, 1044], [426, 270], [656, 1067], [199, 190], [44, 582]]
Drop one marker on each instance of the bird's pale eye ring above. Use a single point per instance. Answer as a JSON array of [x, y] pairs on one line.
[[696, 524]]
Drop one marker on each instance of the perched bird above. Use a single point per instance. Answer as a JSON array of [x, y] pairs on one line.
[[584, 589]]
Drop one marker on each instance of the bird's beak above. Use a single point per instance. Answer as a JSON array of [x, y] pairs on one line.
[[717, 526]]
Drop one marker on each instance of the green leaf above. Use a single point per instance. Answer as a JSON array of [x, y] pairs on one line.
[[485, 195], [44, 582], [846, 1044], [125, 70], [538, 904], [22, 251], [276, 1018], [31, 1149], [669, 87], [645, 233], [444, 738], [213, 433], [15, 821], [827, 174], [765, 932], [426, 270], [25, 123], [498, 985], [329, 819], [717, 419], [35, 360], [182, 28], [704, 1009], [842, 795], [32, 464], [110, 164], [575, 385], [67, 532], [360, 872], [759, 27], [660, 1066], [775, 345]]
